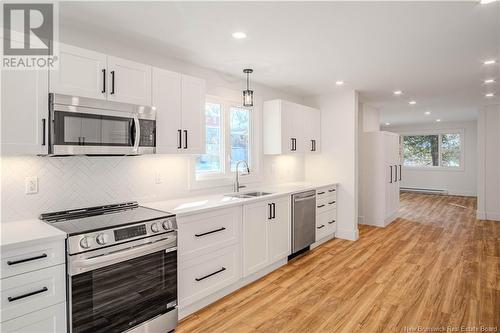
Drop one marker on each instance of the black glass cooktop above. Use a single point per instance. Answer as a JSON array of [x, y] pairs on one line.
[[79, 221]]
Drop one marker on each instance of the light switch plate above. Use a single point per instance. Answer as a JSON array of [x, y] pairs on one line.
[[31, 185]]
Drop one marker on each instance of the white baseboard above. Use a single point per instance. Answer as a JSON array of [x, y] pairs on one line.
[[323, 240], [348, 234], [480, 215], [493, 216], [185, 311]]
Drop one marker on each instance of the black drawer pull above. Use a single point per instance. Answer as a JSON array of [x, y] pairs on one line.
[[321, 206], [332, 221], [211, 274], [331, 202], [319, 193], [332, 190], [15, 262], [321, 226], [12, 299], [210, 232]]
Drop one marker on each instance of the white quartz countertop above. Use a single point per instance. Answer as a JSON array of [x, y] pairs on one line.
[[18, 233], [197, 204]]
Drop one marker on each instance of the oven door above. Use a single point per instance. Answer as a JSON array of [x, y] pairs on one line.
[[81, 130], [123, 289]]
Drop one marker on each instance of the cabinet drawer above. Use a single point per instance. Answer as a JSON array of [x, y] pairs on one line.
[[32, 291], [26, 259], [204, 275], [201, 233], [326, 204], [48, 320], [324, 224], [326, 191]]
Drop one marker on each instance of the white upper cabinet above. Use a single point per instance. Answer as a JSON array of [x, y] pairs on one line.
[[180, 107], [87, 73], [266, 233], [312, 130], [290, 128], [24, 112], [193, 114], [129, 81], [81, 72], [167, 101]]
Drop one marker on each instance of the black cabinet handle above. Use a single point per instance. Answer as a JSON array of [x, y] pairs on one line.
[[331, 190], [15, 262], [321, 226], [210, 232], [43, 131], [400, 172], [179, 144], [396, 170], [185, 139], [274, 210], [391, 175], [313, 145], [211, 274], [112, 82], [331, 202], [319, 193], [12, 299], [270, 211], [103, 81], [294, 144], [321, 206], [332, 221]]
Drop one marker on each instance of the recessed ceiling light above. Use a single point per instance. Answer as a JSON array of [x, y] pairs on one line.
[[427, 113], [397, 92], [488, 81], [387, 124], [239, 35], [490, 62], [412, 102], [484, 2], [489, 95], [339, 83], [438, 120]]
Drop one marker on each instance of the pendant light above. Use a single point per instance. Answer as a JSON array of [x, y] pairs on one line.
[[248, 94]]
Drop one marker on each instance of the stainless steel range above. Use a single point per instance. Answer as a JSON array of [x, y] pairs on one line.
[[122, 268]]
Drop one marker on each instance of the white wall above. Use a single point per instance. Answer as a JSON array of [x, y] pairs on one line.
[[71, 182], [456, 182], [488, 173], [338, 158]]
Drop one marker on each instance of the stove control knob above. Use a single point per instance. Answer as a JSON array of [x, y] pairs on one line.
[[102, 239], [167, 224], [154, 227], [86, 242]]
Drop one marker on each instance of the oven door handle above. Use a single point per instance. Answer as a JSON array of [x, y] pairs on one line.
[[79, 266]]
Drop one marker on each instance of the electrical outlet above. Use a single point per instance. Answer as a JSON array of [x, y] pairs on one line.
[[158, 178], [31, 185]]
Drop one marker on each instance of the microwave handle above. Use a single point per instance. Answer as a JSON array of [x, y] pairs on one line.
[[137, 134]]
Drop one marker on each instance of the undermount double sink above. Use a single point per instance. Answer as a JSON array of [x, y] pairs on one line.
[[248, 195]]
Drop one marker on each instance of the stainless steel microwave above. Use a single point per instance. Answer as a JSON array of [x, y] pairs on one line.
[[86, 126]]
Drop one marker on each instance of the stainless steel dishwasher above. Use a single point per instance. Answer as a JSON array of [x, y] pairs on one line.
[[303, 220]]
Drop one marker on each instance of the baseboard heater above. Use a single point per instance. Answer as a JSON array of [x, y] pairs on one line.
[[423, 190]]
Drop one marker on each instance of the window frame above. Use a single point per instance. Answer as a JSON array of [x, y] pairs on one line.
[[439, 133], [226, 178]]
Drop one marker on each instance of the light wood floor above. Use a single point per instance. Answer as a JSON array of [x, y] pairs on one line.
[[435, 266]]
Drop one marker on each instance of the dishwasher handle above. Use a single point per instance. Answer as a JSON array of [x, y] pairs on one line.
[[310, 197]]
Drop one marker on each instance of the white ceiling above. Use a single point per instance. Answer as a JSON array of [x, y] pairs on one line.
[[433, 51]]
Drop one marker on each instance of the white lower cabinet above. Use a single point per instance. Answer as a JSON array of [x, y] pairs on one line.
[[33, 287], [48, 320], [206, 274], [326, 212], [266, 233]]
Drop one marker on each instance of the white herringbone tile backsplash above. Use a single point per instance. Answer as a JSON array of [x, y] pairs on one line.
[[72, 182], [81, 181]]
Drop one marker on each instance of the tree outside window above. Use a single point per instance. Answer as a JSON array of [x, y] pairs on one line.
[[436, 150]]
